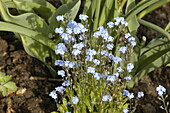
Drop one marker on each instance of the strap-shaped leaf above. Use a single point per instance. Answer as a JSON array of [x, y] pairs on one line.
[[107, 13], [138, 8], [43, 8], [154, 27], [28, 20], [133, 24], [150, 60], [25, 31], [153, 7]]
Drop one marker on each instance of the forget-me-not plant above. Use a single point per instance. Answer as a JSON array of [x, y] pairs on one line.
[[94, 76]]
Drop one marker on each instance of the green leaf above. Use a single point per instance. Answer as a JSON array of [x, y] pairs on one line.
[[66, 1], [154, 27], [152, 7], [3, 90], [6, 84], [25, 31], [151, 59], [11, 85], [106, 12], [28, 20], [40, 7], [138, 8], [133, 24], [39, 51], [4, 78]]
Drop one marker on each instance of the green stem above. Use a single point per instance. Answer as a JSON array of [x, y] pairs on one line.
[[154, 27], [165, 106]]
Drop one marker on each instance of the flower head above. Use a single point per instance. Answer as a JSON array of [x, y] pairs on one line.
[[161, 90], [140, 94], [61, 48], [59, 62], [62, 73], [59, 30], [91, 70], [53, 95], [91, 52], [60, 89], [60, 18], [109, 46], [75, 100], [129, 67], [125, 110], [66, 83], [110, 24], [107, 98], [83, 17], [123, 49]]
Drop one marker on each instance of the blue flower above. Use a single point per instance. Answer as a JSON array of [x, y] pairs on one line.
[[90, 52], [60, 18], [97, 76], [111, 78], [76, 52], [123, 49], [140, 94], [60, 89], [66, 83], [89, 58], [96, 61], [119, 20], [110, 24], [125, 92], [62, 73], [97, 34], [127, 35], [119, 69], [67, 38], [83, 17], [104, 52], [76, 28], [53, 95], [161, 90], [125, 110], [61, 48], [107, 98], [108, 38], [129, 67], [59, 63], [109, 46], [69, 64], [117, 59], [59, 30], [128, 78], [124, 23], [79, 46], [131, 95], [75, 100], [91, 70]]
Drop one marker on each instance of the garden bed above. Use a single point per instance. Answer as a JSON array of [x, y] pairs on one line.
[[32, 96]]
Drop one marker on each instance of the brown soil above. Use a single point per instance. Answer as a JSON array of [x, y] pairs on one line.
[[16, 62]]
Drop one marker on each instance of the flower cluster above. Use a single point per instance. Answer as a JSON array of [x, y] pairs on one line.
[[161, 90], [90, 66]]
